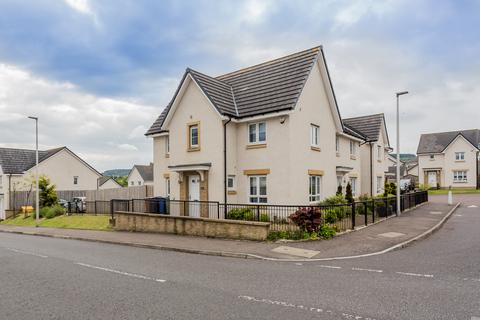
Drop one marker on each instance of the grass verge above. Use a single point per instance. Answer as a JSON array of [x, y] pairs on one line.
[[68, 222], [454, 191]]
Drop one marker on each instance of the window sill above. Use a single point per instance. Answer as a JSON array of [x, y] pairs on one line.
[[338, 154], [459, 160], [256, 146], [193, 149], [315, 148], [353, 157], [460, 181], [232, 192], [379, 160], [167, 155]]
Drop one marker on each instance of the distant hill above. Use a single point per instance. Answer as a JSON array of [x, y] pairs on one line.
[[405, 157], [117, 172]]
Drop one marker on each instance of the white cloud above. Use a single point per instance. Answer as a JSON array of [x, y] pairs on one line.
[[96, 127], [82, 6], [355, 10]]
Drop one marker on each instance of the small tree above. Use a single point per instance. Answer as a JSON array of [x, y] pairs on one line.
[[339, 191], [48, 194], [348, 193], [307, 219], [393, 188]]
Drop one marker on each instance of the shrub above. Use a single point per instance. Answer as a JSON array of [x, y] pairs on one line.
[[333, 200], [48, 195], [339, 191], [55, 211], [241, 214], [329, 217], [43, 212], [264, 217], [326, 232], [307, 218], [348, 193]]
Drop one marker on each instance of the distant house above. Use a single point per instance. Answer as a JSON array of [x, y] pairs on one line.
[[65, 169], [449, 159], [374, 152], [141, 175], [105, 182]]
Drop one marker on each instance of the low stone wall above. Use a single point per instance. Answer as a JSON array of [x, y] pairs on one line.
[[203, 227]]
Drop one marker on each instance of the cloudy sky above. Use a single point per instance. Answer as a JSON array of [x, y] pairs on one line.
[[98, 72]]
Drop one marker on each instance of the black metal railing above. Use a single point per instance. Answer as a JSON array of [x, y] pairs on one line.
[[342, 216]]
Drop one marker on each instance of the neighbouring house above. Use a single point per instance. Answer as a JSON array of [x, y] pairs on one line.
[[106, 182], [141, 175], [270, 133], [449, 159], [374, 152], [65, 169]]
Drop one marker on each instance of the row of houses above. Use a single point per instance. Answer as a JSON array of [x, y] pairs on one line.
[[65, 169]]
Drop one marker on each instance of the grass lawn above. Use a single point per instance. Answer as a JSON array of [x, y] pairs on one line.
[[454, 191], [71, 222]]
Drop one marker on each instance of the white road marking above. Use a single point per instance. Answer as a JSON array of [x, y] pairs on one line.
[[302, 307], [415, 274], [435, 212], [27, 252], [329, 267], [473, 206], [475, 318], [368, 270], [471, 279], [299, 264], [134, 275], [458, 215]]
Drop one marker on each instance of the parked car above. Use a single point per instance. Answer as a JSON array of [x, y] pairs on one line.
[[79, 205], [63, 203]]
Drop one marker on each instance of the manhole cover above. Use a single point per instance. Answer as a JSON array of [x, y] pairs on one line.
[[296, 251], [391, 234]]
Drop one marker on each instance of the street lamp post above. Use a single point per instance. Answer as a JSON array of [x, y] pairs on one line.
[[37, 197], [398, 150]]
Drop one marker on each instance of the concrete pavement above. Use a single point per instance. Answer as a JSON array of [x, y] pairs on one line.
[[47, 278], [373, 239]]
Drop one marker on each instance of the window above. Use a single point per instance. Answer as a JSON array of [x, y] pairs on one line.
[[193, 142], [75, 180], [167, 187], [379, 153], [315, 183], [167, 145], [257, 132], [132, 183], [379, 185], [432, 157], [337, 144], [353, 148], [258, 189], [460, 176], [231, 183], [339, 181], [314, 131], [353, 184], [139, 183], [460, 156], [1, 181]]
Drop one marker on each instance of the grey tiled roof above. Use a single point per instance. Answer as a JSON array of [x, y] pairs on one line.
[[103, 179], [264, 88], [437, 142], [146, 172], [17, 161], [369, 126], [353, 132]]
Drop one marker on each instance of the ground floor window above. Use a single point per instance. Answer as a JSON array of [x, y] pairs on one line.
[[231, 183], [167, 187], [339, 181], [460, 176], [258, 189], [315, 186], [353, 184], [379, 185]]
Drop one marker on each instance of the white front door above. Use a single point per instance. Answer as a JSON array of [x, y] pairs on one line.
[[432, 179], [2, 211], [194, 195]]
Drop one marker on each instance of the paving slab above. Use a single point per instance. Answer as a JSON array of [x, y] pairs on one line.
[[364, 241]]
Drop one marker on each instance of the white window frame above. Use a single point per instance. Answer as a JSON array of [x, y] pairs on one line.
[[353, 148], [337, 144], [139, 183], [460, 176], [459, 156], [75, 180], [353, 184], [432, 157], [379, 153], [190, 136], [379, 184], [314, 188], [167, 145], [132, 183], [339, 181], [233, 186], [167, 186], [256, 137], [314, 135], [256, 197]]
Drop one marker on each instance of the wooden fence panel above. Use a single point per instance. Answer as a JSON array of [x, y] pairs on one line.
[[138, 192], [23, 198]]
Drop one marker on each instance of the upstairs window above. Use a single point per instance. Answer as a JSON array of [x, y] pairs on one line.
[[379, 152], [432, 157], [75, 180], [139, 183], [193, 136], [257, 132], [231, 183], [353, 148], [459, 156], [337, 144], [314, 135], [167, 145], [132, 183]]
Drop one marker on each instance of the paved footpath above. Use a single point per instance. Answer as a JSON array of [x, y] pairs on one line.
[[370, 240]]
